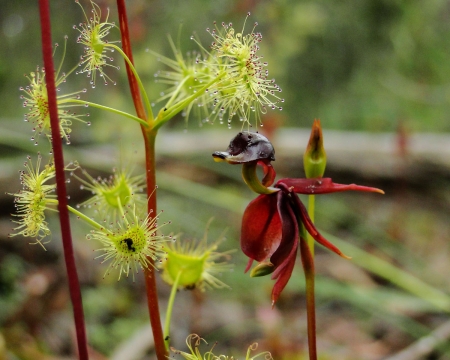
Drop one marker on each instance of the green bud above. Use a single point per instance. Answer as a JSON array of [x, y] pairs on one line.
[[190, 266], [262, 269], [195, 264], [118, 190], [315, 157]]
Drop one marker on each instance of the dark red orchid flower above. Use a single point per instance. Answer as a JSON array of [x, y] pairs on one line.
[[273, 223]]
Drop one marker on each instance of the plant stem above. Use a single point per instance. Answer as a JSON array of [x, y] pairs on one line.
[[307, 253], [170, 303], [115, 111], [308, 268], [165, 115], [176, 92], [74, 284], [136, 75], [150, 278], [91, 222], [311, 210], [149, 135]]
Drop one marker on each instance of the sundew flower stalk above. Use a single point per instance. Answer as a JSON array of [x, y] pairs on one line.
[[74, 285], [149, 135]]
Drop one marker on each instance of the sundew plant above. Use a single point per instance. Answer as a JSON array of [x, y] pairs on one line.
[[225, 82]]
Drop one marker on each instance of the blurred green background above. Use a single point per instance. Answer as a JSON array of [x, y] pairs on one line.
[[377, 74]]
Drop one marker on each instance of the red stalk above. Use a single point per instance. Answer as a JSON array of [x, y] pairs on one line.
[[308, 268], [149, 139], [126, 47], [74, 285]]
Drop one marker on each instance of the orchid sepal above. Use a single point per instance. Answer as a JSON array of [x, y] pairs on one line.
[[318, 186]]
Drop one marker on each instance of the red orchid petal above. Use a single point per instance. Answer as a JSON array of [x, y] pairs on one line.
[[249, 265], [269, 173], [287, 259], [289, 240], [309, 226], [261, 228], [283, 279], [322, 186], [284, 257]]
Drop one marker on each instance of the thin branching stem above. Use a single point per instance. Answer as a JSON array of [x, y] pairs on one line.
[[168, 113], [149, 135], [169, 311], [107, 108], [80, 215], [138, 79]]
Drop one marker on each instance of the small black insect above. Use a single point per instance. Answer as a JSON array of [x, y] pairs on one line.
[[129, 243]]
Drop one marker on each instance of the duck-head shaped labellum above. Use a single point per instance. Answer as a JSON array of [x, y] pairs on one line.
[[247, 147]]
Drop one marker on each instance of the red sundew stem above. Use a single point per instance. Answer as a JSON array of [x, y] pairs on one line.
[[126, 47], [150, 278], [74, 284], [149, 135]]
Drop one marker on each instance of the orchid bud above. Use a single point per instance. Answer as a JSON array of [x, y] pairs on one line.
[[262, 269], [315, 157]]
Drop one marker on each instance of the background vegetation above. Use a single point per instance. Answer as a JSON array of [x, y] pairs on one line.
[[372, 66]]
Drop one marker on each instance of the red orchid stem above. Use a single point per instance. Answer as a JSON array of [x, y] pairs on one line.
[[311, 210], [308, 268], [307, 253], [74, 284], [149, 139]]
